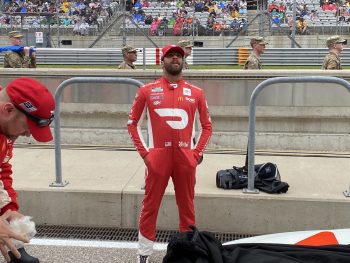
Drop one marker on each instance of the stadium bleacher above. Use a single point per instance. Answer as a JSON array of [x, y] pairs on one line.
[[211, 18], [320, 19], [83, 18]]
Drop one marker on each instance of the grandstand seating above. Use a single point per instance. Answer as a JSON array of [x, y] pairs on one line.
[[199, 24], [322, 21], [36, 17]]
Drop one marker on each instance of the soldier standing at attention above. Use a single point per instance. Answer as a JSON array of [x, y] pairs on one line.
[[253, 62], [332, 59], [187, 47], [24, 59], [130, 56]]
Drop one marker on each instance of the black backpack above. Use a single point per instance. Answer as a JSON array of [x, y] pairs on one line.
[[267, 178]]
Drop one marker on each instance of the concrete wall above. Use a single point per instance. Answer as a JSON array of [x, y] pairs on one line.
[[305, 112]]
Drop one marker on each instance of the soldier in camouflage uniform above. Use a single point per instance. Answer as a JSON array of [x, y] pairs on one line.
[[130, 56], [24, 59], [332, 59], [187, 47], [253, 62]]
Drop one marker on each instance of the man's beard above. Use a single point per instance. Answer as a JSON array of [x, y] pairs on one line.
[[173, 71]]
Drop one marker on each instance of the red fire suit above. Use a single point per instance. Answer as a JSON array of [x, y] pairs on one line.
[[8, 196], [171, 152]]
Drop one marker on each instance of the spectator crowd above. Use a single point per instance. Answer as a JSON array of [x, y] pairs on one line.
[[81, 14], [190, 17]]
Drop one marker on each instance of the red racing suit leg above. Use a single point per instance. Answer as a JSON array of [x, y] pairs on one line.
[[158, 171], [163, 163], [184, 180]]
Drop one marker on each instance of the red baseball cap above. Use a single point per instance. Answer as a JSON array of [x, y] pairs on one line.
[[34, 100], [170, 48]]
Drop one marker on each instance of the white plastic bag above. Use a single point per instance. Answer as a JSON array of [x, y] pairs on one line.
[[24, 226]]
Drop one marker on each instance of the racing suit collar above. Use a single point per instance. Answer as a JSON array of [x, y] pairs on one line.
[[172, 85]]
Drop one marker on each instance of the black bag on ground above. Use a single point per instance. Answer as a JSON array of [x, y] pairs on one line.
[[194, 247], [267, 178], [237, 177], [202, 247]]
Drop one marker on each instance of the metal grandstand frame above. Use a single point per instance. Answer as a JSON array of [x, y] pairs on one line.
[[123, 16], [262, 12]]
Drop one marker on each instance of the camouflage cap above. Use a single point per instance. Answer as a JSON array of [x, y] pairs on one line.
[[128, 49], [258, 40], [15, 34], [184, 43], [334, 40]]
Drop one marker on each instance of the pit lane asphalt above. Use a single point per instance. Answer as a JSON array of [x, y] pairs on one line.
[[101, 252]]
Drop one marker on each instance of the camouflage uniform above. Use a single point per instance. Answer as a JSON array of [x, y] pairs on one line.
[[253, 61], [185, 44], [18, 60], [185, 65], [125, 65], [332, 59]]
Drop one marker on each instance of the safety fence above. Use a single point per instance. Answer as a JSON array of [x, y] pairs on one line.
[[57, 121], [252, 110], [200, 56], [251, 124]]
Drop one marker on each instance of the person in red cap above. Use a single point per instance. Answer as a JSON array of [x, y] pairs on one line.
[[171, 105], [26, 108]]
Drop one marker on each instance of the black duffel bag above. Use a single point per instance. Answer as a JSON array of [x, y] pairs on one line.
[[267, 178]]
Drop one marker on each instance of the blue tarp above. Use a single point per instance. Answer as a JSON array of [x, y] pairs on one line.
[[12, 48]]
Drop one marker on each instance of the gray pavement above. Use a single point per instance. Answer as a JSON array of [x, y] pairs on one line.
[[75, 254]]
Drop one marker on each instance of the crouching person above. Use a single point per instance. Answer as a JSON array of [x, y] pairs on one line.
[[26, 108]]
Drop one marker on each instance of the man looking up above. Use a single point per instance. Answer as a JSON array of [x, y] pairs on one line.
[[171, 104]]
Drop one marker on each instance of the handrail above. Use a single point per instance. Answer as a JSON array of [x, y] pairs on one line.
[[252, 108], [57, 128], [200, 56]]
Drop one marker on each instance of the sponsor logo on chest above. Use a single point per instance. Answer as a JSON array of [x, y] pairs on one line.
[[187, 91], [157, 90], [192, 100], [156, 97]]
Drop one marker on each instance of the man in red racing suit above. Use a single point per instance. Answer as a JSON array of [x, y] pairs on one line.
[[171, 105], [26, 108]]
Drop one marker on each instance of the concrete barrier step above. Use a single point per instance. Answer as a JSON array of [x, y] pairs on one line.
[[105, 190]]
